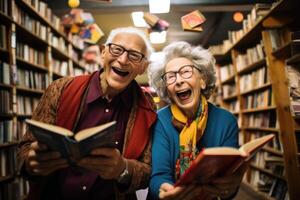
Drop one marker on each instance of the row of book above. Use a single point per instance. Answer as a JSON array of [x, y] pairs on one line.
[[15, 190], [258, 100], [293, 75], [229, 90], [6, 131], [5, 97], [4, 6], [226, 71], [252, 55], [30, 54], [234, 106], [8, 159], [4, 73], [60, 67], [28, 22], [46, 12], [32, 79], [278, 37], [258, 11], [254, 79], [265, 119], [58, 42], [26, 104], [270, 180], [3, 40]]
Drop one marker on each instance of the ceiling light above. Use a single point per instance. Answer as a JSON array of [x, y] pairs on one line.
[[238, 17], [138, 19], [73, 3], [158, 37], [157, 56], [159, 6]]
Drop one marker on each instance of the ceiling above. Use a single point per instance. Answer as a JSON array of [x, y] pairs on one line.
[[118, 14]]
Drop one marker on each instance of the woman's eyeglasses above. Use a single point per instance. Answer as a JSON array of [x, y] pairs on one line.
[[118, 50], [185, 72]]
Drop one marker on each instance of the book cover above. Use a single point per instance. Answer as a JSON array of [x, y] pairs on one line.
[[73, 146], [215, 162], [186, 27], [150, 19], [193, 19]]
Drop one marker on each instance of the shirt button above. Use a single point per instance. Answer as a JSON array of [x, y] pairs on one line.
[[106, 110], [84, 187], [116, 142]]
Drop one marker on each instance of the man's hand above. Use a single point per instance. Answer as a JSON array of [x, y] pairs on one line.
[[107, 162], [41, 161]]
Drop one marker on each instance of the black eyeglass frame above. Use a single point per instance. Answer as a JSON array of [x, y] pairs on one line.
[[128, 52], [163, 77]]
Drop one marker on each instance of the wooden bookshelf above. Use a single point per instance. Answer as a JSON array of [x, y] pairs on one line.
[[8, 144], [252, 67], [275, 61], [40, 43], [256, 89], [265, 171]]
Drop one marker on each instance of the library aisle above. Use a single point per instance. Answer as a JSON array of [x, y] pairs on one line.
[[257, 67]]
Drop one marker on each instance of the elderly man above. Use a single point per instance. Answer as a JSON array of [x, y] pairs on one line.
[[80, 102]]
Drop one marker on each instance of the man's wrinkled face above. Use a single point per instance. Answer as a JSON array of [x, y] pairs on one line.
[[121, 69]]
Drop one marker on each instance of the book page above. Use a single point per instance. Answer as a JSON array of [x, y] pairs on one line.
[[50, 127], [251, 147], [83, 134]]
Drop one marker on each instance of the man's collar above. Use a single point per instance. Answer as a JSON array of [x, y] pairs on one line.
[[95, 91]]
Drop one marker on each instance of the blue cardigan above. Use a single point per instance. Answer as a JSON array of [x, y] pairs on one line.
[[221, 130]]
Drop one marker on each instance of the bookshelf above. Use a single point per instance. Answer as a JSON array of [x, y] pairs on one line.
[[261, 96], [34, 51]]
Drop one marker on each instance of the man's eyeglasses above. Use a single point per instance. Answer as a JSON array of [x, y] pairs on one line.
[[185, 72], [118, 50]]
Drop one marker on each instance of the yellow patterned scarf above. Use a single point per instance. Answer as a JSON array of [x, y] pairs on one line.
[[189, 135]]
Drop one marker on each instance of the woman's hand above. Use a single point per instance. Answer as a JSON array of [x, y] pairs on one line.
[[169, 192], [41, 161]]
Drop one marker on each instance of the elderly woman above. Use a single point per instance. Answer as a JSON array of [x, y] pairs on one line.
[[186, 79]]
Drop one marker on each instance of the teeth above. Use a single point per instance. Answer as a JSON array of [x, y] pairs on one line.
[[182, 91], [119, 69]]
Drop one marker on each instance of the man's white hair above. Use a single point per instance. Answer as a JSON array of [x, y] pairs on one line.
[[132, 30]]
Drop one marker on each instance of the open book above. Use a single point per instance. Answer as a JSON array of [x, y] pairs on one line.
[[73, 146], [215, 162]]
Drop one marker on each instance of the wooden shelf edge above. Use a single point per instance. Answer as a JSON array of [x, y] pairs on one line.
[[265, 171], [265, 85], [254, 192], [8, 145], [26, 89], [258, 109], [41, 67], [252, 66], [6, 178], [294, 59]]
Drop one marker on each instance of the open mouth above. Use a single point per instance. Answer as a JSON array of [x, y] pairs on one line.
[[183, 95], [120, 71]]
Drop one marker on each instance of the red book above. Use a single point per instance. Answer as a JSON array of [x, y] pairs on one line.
[[193, 19], [216, 162]]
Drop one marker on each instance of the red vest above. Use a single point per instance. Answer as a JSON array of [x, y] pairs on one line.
[[69, 104]]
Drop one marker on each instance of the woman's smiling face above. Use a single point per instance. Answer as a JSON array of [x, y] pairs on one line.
[[185, 92]]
